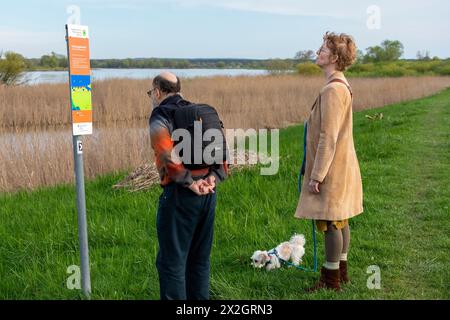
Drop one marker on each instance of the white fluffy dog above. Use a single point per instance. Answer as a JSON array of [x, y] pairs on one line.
[[292, 250]]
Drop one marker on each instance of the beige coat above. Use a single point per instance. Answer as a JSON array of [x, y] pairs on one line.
[[331, 158]]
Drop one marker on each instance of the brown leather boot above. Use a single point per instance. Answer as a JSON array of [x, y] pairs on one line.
[[343, 271], [329, 279]]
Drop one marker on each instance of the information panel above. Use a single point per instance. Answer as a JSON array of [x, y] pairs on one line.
[[80, 79]]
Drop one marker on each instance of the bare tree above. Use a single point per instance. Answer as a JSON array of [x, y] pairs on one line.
[[304, 55], [423, 55]]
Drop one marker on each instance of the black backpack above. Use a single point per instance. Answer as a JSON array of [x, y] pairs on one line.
[[184, 117]]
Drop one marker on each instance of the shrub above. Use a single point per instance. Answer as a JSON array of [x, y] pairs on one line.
[[11, 68], [308, 69], [444, 70], [394, 70], [361, 68], [278, 66]]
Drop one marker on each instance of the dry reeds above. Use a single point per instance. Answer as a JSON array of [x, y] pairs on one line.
[[147, 175], [35, 136], [244, 102], [36, 158]]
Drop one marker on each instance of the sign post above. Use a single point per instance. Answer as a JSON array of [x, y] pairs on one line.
[[77, 38]]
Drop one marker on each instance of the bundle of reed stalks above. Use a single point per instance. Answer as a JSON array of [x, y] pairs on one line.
[[145, 176]]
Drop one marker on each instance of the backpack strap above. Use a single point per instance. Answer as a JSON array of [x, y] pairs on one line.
[[342, 81], [168, 110]]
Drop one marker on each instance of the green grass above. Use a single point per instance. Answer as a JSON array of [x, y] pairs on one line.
[[405, 165]]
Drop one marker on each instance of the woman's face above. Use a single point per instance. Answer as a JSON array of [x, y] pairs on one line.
[[324, 56]]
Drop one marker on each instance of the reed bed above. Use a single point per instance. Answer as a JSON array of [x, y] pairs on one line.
[[37, 158], [35, 135], [244, 102]]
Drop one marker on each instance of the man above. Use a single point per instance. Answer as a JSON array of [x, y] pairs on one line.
[[185, 218]]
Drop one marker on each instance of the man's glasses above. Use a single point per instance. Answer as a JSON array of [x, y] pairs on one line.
[[150, 92]]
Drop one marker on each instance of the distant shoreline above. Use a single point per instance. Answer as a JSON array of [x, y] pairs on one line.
[[134, 68], [62, 75]]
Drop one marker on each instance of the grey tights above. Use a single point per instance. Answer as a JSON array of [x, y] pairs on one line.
[[336, 242]]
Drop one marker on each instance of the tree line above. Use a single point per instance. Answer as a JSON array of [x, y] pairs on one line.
[[379, 60], [56, 61]]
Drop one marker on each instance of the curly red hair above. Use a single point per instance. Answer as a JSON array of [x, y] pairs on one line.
[[343, 47]]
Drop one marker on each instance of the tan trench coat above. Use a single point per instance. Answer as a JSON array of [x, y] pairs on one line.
[[331, 158]]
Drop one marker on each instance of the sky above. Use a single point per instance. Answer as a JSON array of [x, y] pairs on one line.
[[254, 29]]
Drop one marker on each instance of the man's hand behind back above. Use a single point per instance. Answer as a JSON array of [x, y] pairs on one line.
[[203, 186]]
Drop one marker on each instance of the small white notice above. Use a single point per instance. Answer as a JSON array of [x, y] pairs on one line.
[[79, 147]]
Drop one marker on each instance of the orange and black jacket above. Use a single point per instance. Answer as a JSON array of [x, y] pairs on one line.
[[172, 170]]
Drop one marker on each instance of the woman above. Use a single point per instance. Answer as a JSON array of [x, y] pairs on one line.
[[332, 187]]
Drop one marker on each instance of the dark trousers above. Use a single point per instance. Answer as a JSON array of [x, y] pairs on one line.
[[185, 224]]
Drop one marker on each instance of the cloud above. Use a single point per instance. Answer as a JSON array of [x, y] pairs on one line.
[[108, 4], [348, 9], [19, 36], [31, 43], [333, 9]]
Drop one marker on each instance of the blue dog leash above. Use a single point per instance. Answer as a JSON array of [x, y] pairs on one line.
[[300, 175], [274, 251]]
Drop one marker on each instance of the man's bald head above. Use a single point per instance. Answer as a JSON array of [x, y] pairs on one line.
[[167, 82], [169, 76]]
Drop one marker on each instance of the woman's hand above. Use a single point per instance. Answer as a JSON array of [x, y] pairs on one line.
[[313, 186]]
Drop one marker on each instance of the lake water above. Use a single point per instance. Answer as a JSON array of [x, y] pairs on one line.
[[37, 77]]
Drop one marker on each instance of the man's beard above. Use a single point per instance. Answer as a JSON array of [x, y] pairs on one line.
[[154, 103]]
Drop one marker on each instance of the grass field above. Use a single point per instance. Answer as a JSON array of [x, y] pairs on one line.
[[405, 165]]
